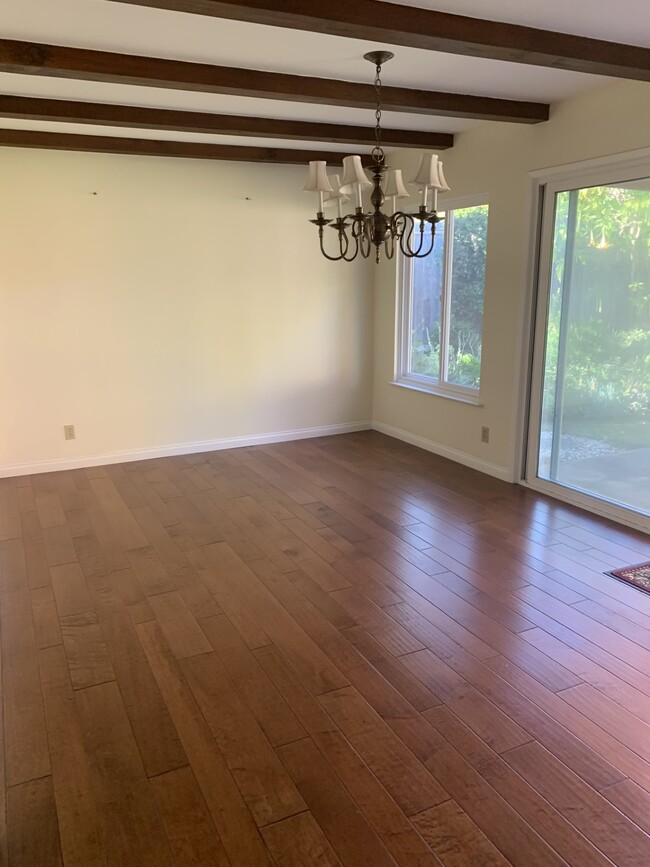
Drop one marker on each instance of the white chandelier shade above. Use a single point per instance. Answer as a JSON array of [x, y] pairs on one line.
[[318, 181], [336, 196], [430, 177], [355, 180], [395, 188]]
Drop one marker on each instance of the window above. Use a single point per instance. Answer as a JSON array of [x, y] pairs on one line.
[[440, 328], [590, 404]]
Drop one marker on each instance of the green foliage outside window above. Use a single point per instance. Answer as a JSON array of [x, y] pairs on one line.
[[607, 371], [466, 303]]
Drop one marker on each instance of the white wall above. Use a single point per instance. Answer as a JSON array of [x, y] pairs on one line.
[[168, 309], [496, 159]]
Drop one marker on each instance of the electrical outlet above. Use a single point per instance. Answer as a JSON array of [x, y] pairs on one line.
[[68, 431], [485, 434]]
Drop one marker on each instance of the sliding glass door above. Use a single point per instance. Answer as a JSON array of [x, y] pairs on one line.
[[590, 408]]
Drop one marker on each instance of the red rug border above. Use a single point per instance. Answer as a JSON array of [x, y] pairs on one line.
[[613, 574]]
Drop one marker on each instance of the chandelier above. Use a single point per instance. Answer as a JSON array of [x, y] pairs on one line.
[[360, 232]]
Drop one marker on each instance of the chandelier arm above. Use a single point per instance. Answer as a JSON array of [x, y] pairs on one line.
[[407, 232], [389, 247], [419, 254], [416, 253], [365, 240], [404, 227], [347, 247], [343, 252], [413, 252]]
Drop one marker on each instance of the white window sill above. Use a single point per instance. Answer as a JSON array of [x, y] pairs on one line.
[[441, 391]]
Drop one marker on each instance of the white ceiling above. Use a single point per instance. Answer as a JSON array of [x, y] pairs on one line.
[[110, 26]]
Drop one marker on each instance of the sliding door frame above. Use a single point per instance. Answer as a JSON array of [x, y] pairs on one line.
[[545, 185]]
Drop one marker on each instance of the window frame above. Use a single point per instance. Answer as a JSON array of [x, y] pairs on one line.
[[402, 376]]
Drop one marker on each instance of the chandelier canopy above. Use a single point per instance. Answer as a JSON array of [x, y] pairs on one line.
[[360, 232]]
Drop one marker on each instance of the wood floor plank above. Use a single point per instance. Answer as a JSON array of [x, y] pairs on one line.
[[150, 571], [88, 658], [370, 578], [13, 566], [59, 548], [467, 743], [47, 629], [180, 628], [322, 600], [304, 705], [48, 507], [38, 571], [378, 623], [90, 553], [297, 841], [616, 836], [126, 806], [70, 590], [627, 761], [540, 724], [308, 659], [229, 813], [455, 838], [190, 830], [478, 712], [403, 776], [621, 724], [629, 697], [544, 818], [271, 711], [263, 782], [118, 513], [394, 670], [9, 510], [78, 817], [632, 801], [348, 832], [382, 812], [26, 747], [33, 827], [496, 818], [153, 729], [4, 853]]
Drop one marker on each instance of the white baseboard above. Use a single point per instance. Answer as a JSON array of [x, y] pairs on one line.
[[50, 466], [499, 472], [81, 461]]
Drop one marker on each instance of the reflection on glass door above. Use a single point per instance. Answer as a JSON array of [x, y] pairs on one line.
[[594, 430]]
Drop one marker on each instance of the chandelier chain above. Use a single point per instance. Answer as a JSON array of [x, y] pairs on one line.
[[378, 151]]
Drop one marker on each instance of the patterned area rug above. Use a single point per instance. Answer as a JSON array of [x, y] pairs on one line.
[[637, 576]]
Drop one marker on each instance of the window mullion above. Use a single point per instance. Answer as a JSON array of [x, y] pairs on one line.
[[445, 300], [406, 311]]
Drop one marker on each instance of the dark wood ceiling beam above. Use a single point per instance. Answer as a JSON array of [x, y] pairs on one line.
[[156, 148], [392, 24], [33, 58], [135, 117]]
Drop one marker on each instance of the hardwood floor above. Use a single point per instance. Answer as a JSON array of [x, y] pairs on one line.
[[342, 651]]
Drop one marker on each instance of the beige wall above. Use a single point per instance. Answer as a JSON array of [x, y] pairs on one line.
[[157, 315], [168, 309], [496, 159]]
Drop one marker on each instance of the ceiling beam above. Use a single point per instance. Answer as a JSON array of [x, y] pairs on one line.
[[135, 117], [23, 138], [393, 24], [34, 58]]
